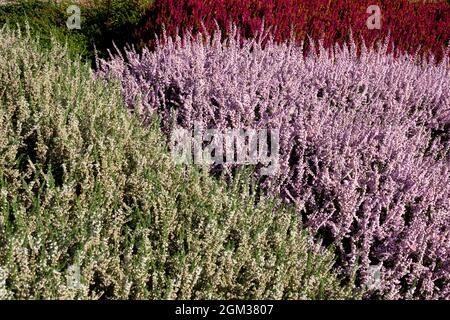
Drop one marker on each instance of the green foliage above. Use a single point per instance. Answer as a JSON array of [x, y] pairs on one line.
[[46, 19], [102, 21], [82, 183], [106, 21]]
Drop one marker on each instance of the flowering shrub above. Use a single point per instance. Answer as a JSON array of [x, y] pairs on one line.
[[410, 24], [91, 205], [364, 141]]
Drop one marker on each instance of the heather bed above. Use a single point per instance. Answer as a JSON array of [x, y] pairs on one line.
[[421, 26], [365, 158], [83, 185], [364, 141]]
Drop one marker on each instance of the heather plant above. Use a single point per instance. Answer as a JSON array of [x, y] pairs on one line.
[[93, 207], [101, 22], [46, 20], [410, 25], [364, 140]]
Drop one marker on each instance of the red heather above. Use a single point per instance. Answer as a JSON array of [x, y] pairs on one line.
[[410, 24], [364, 141]]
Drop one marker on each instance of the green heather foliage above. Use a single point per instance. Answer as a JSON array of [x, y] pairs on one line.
[[102, 22], [46, 20], [82, 183]]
